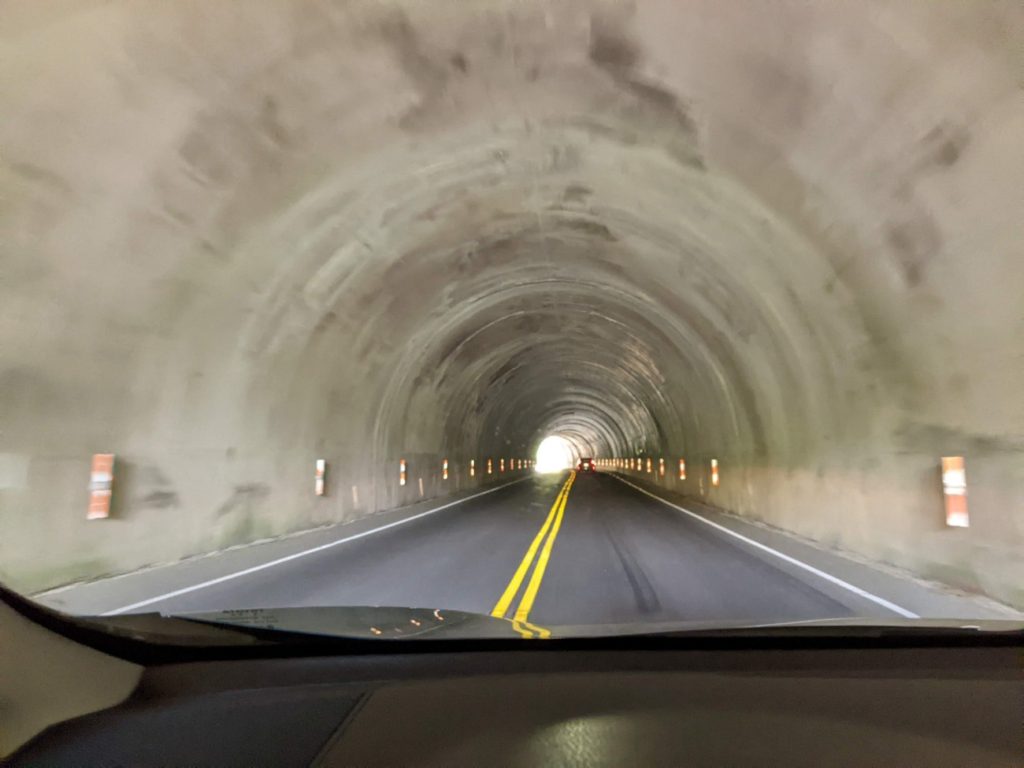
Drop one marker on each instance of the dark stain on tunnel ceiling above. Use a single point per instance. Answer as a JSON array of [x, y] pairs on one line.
[[619, 57]]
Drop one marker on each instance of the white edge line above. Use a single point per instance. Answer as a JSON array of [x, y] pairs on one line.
[[791, 560], [297, 555]]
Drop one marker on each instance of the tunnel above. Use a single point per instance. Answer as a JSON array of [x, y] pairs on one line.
[[412, 239]]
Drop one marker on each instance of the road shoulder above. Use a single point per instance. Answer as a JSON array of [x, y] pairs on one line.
[[903, 589], [124, 591]]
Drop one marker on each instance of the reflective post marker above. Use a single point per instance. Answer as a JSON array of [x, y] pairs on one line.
[[714, 473], [661, 467], [472, 467], [682, 469], [321, 472], [444, 470], [954, 489], [101, 485], [402, 474]]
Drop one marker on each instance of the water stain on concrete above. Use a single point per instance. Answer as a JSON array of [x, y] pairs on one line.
[[611, 52], [576, 193], [270, 121], [944, 145], [427, 75], [38, 175], [159, 500], [618, 57], [672, 125], [914, 240], [591, 228], [914, 437], [242, 496]]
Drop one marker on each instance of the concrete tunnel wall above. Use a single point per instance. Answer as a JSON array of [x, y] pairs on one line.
[[237, 237]]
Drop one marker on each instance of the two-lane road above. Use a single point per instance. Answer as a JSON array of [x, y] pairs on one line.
[[551, 550]]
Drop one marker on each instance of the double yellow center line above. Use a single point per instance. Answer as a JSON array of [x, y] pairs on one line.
[[542, 543]]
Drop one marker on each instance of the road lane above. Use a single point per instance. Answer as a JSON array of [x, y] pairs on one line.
[[552, 550], [459, 558], [623, 557]]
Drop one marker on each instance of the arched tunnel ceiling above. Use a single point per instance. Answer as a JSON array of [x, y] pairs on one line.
[[780, 232]]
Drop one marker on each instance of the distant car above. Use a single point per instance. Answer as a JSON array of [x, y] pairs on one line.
[[585, 465]]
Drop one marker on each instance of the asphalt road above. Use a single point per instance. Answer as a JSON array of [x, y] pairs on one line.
[[610, 555]]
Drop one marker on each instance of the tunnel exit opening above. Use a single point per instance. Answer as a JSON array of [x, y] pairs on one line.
[[554, 454]]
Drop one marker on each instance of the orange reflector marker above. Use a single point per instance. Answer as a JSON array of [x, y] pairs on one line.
[[501, 465], [661, 467], [402, 474], [648, 465], [490, 466], [954, 489], [472, 467], [444, 470], [714, 473], [682, 469], [101, 486], [321, 472]]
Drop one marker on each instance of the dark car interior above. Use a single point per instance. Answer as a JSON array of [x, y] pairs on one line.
[[76, 694]]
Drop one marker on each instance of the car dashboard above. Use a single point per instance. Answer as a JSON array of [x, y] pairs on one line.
[[564, 703]]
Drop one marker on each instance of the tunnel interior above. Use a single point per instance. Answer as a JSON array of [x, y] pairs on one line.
[[244, 237]]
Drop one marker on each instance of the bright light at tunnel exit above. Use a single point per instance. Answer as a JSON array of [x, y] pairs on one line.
[[554, 454]]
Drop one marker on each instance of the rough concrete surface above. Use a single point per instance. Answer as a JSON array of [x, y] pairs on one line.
[[239, 236]]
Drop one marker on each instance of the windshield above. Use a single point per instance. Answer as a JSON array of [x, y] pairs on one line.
[[551, 319]]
